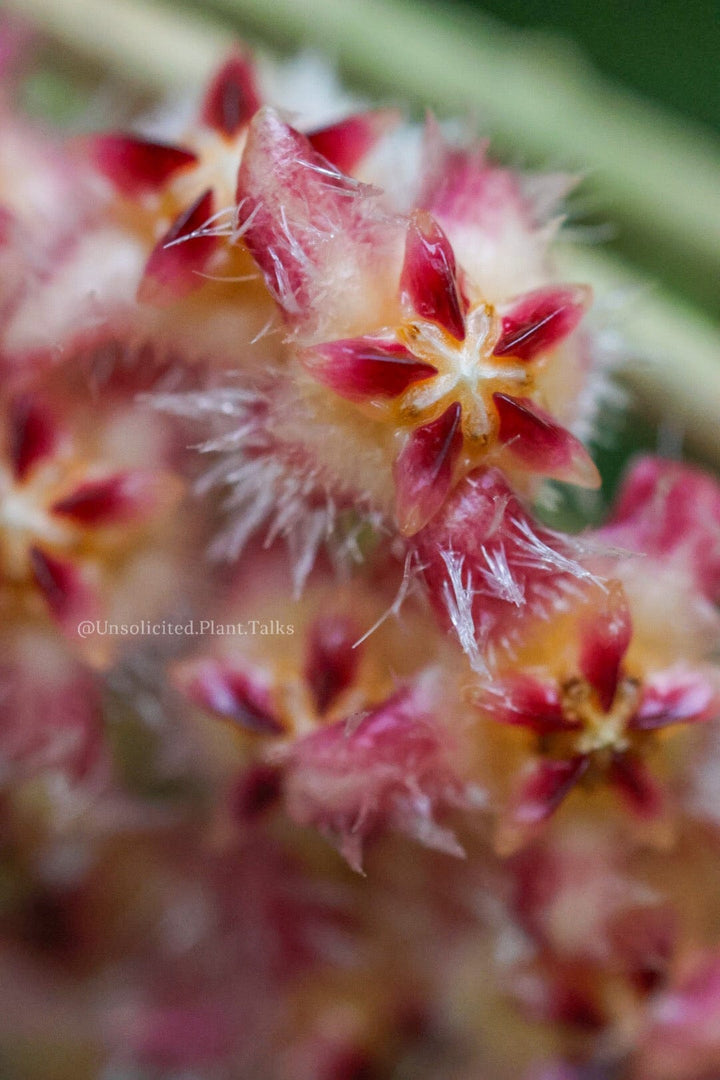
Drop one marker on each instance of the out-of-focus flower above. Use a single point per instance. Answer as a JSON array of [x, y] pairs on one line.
[[594, 710], [350, 742], [69, 513]]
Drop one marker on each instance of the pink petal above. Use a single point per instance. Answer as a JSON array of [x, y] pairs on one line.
[[347, 142], [179, 257], [525, 701], [332, 661], [423, 472], [136, 166], [638, 788], [671, 510], [122, 497], [533, 437], [545, 788], [360, 369], [232, 99], [682, 1038], [389, 769], [604, 640], [490, 568], [675, 697], [294, 206], [232, 694], [69, 597], [428, 281], [33, 435], [539, 320]]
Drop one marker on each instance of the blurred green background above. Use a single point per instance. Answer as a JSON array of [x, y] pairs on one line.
[[666, 49]]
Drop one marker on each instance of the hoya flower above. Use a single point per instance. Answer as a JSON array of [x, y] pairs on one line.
[[592, 965], [447, 378], [50, 714], [670, 512], [335, 732], [458, 379], [601, 719], [67, 515], [191, 186]]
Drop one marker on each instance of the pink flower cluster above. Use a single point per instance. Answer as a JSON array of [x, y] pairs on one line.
[[322, 757]]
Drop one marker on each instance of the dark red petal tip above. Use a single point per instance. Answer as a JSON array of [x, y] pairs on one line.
[[232, 98], [174, 265], [332, 661], [541, 319], [533, 437], [428, 283], [675, 697], [544, 789], [32, 434], [136, 166], [640, 791], [69, 598], [346, 143], [112, 500], [526, 701], [360, 369], [423, 472], [604, 640], [232, 694]]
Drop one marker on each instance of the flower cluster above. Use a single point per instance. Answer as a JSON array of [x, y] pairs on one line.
[[294, 364]]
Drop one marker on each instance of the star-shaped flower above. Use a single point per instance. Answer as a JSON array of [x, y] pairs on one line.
[[62, 516], [189, 189], [346, 757], [598, 723], [458, 381]]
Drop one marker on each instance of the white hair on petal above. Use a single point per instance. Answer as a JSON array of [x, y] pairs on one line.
[[499, 577], [458, 595], [409, 579], [261, 491], [536, 554]]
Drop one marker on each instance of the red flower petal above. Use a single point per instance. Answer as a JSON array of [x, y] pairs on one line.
[[118, 498], [490, 568], [545, 787], [534, 438], [423, 472], [428, 279], [136, 166], [68, 596], [675, 697], [232, 99], [638, 788], [360, 369], [176, 260], [33, 434], [388, 770], [332, 661], [295, 206], [540, 319], [671, 510], [604, 640], [257, 790], [525, 701], [346, 143], [232, 694]]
